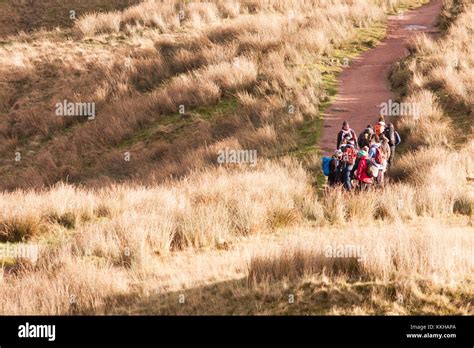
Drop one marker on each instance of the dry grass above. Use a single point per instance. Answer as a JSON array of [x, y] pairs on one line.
[[16, 229], [232, 239], [440, 136], [29, 16], [380, 253], [170, 15], [127, 242], [407, 269], [441, 77], [200, 211]]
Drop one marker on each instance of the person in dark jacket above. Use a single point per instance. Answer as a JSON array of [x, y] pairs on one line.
[[349, 156], [365, 136], [344, 133], [335, 172], [393, 140]]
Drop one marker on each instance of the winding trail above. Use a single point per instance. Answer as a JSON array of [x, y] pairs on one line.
[[363, 86]]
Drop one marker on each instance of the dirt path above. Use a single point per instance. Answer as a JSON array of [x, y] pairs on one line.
[[364, 86]]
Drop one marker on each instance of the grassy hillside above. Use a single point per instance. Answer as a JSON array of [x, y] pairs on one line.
[[228, 239], [28, 15], [246, 76]]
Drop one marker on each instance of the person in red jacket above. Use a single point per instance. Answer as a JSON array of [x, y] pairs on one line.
[[361, 173]]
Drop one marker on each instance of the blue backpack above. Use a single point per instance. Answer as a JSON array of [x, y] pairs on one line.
[[325, 165]]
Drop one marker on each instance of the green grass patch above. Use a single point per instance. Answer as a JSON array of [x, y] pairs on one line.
[[169, 127]]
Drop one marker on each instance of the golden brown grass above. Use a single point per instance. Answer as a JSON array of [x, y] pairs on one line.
[[440, 79], [231, 239], [128, 243], [30, 16], [407, 269]]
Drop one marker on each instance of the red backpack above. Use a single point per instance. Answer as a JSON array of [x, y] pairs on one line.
[[349, 155], [379, 156]]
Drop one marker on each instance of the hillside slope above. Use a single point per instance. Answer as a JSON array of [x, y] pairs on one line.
[[28, 15], [172, 86]]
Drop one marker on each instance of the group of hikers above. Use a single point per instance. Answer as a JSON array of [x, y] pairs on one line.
[[364, 158]]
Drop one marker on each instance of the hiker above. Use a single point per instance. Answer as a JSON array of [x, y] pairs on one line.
[[344, 132], [384, 148], [365, 136], [377, 155], [356, 164], [334, 177], [348, 160], [361, 174], [393, 140], [379, 127]]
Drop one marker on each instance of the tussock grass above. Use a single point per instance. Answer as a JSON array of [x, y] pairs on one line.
[[440, 80], [246, 235], [439, 160], [18, 229], [381, 253]]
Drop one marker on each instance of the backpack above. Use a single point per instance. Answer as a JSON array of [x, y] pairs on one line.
[[326, 165], [346, 132], [390, 134], [372, 169], [349, 156], [379, 156]]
